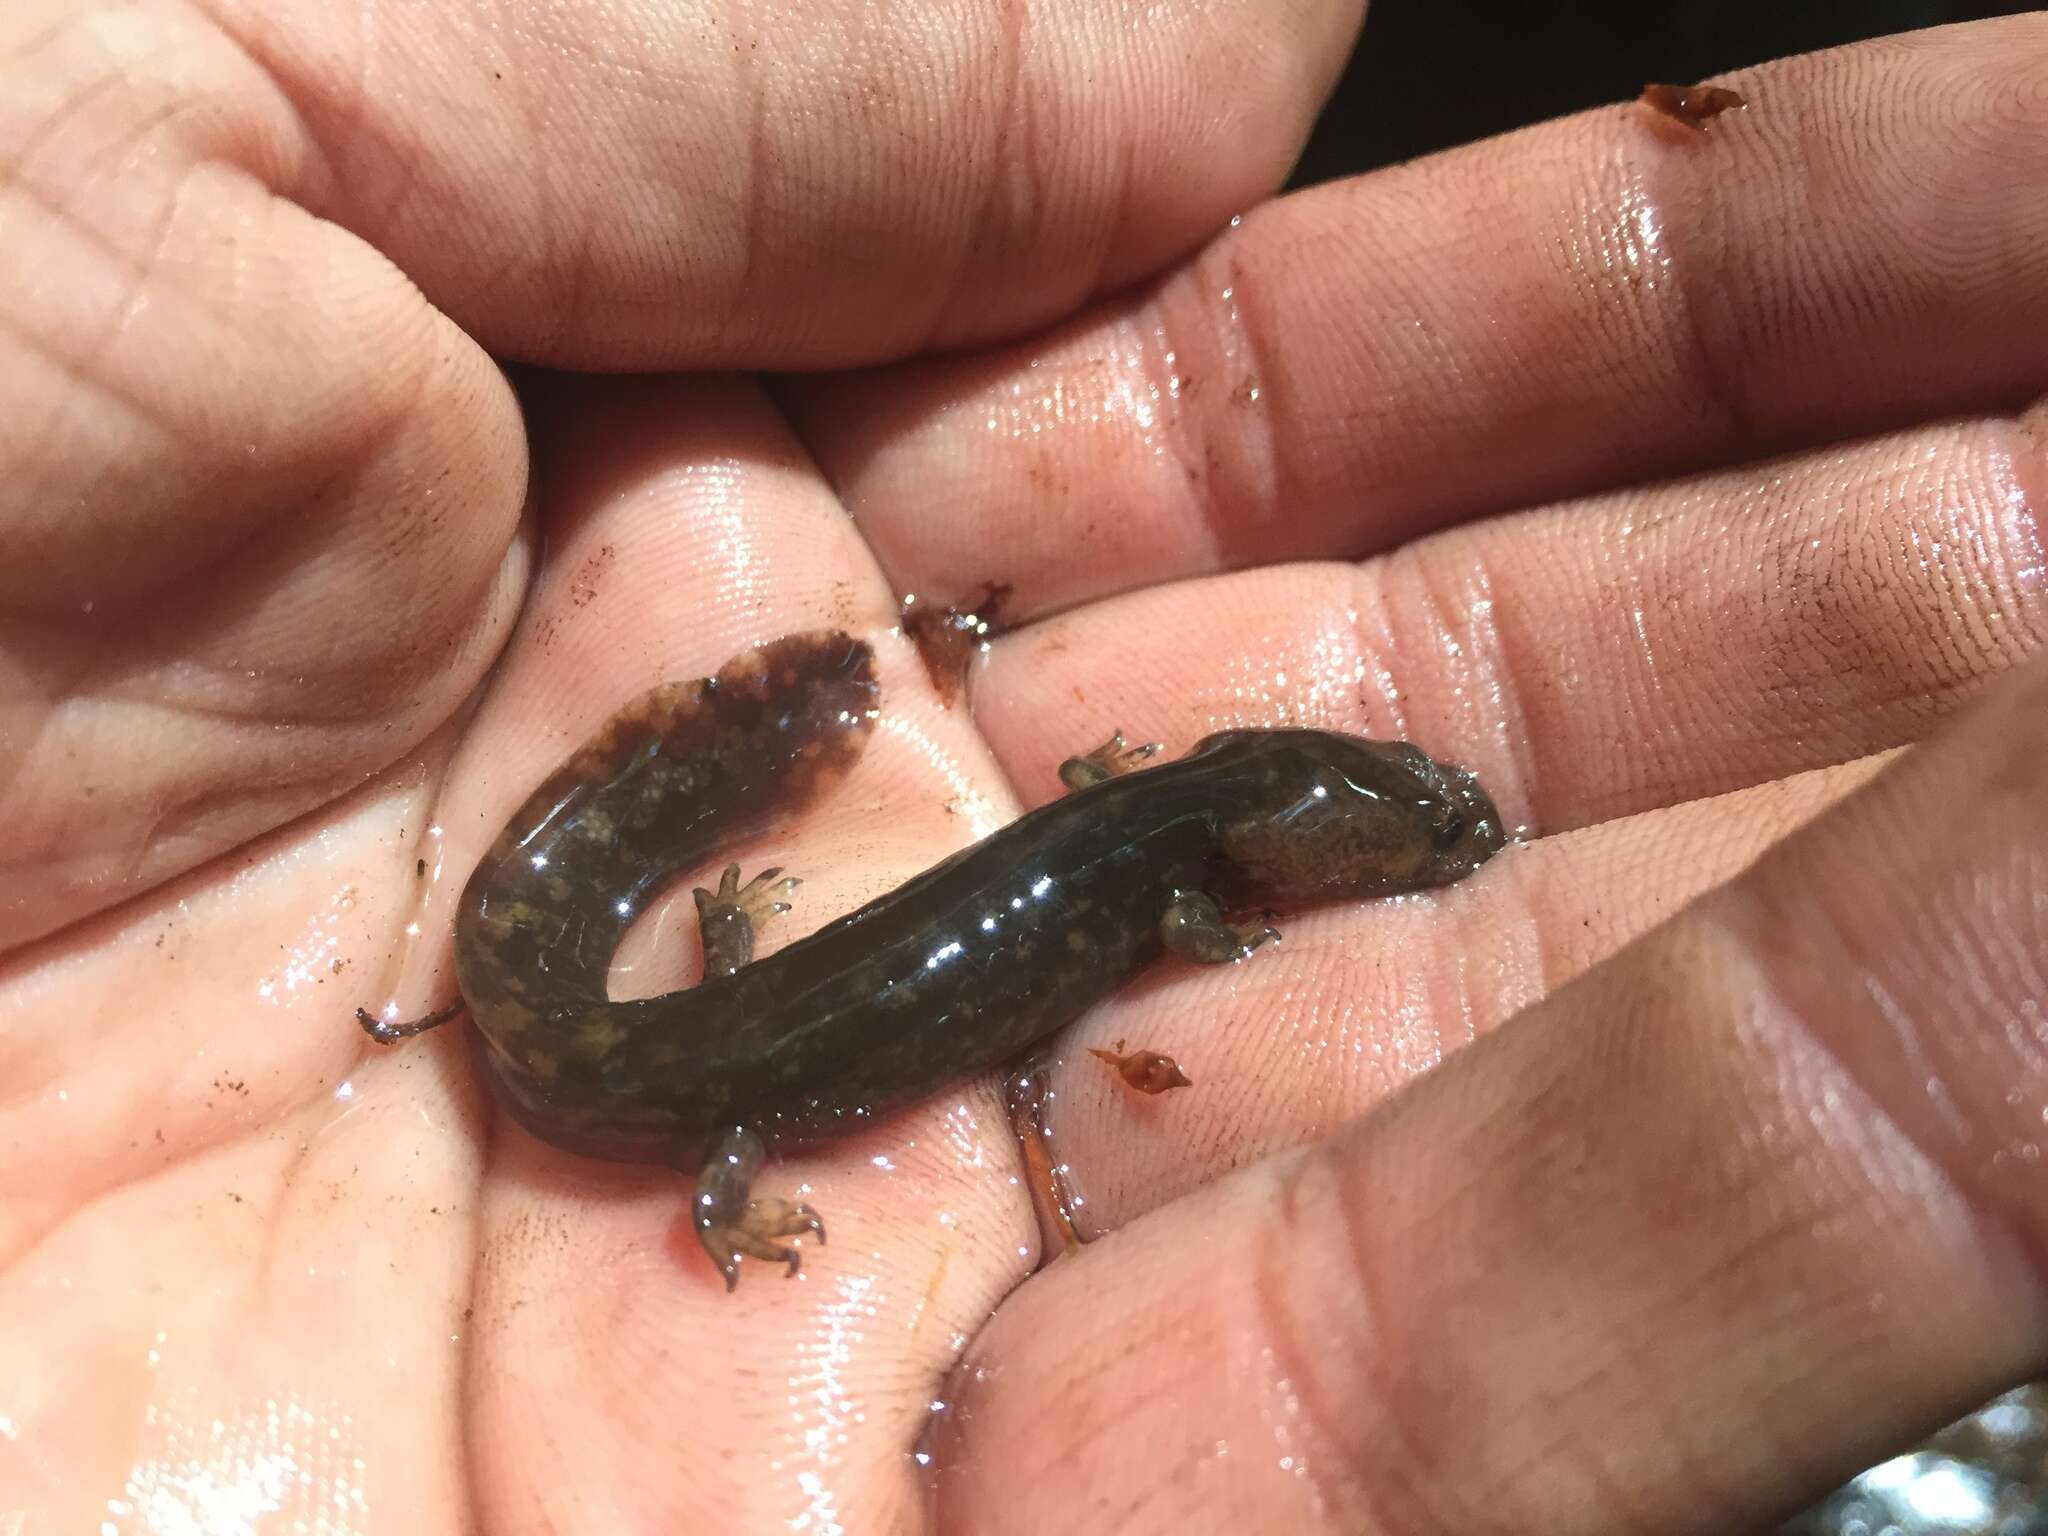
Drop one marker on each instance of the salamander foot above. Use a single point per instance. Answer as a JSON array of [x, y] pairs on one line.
[[1105, 762], [728, 917], [754, 1237], [1193, 928], [730, 1225]]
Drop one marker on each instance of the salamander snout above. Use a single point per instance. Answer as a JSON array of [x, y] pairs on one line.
[[1469, 831], [1342, 816]]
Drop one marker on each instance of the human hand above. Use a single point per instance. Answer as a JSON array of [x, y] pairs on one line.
[[344, 1269]]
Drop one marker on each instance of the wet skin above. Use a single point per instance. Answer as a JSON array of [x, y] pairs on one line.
[[953, 973]]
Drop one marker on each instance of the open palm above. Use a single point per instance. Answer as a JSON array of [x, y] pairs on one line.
[[1651, 475]]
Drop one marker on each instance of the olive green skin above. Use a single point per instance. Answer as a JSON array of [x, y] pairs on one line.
[[951, 974]]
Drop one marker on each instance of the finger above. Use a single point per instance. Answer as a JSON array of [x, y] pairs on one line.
[[685, 527], [637, 186], [1583, 305], [259, 496], [1595, 659], [1749, 625], [1357, 1001], [1677, 1250]]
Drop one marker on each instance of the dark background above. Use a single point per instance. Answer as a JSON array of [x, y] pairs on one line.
[[1432, 73]]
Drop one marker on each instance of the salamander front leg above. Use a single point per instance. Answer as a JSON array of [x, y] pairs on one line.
[[728, 916], [1105, 762], [729, 1224], [1193, 928]]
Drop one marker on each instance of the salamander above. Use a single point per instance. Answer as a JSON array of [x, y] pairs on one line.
[[953, 973]]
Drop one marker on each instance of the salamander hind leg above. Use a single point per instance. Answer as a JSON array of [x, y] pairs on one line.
[[728, 916], [1105, 762], [732, 1225], [1194, 929]]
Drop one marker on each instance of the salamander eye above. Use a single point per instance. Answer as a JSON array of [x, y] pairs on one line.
[[1447, 836]]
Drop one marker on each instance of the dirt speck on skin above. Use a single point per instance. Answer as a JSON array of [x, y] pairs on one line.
[[947, 636], [583, 585], [845, 610]]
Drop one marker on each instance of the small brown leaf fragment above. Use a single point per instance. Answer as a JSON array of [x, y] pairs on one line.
[[947, 636], [1691, 105], [1146, 1071]]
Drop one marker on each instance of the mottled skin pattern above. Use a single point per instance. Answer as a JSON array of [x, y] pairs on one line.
[[953, 973], [679, 771]]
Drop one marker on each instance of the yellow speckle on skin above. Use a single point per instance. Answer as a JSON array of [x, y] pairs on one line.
[[596, 1034], [1077, 941]]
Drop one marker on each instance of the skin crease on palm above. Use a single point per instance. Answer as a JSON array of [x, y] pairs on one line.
[[1676, 484]]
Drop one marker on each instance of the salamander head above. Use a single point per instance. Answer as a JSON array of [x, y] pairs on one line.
[[1334, 816]]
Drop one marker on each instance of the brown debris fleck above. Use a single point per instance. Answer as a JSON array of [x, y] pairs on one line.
[[1690, 105], [1146, 1071], [946, 637]]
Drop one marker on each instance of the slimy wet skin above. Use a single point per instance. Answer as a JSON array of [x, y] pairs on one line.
[[951, 974]]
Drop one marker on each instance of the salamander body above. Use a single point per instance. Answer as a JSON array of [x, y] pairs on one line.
[[953, 973]]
